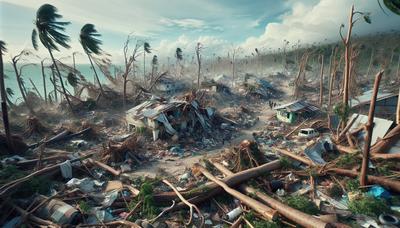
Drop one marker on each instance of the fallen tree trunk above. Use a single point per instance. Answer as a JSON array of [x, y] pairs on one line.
[[289, 212], [64, 135], [390, 184], [262, 209], [210, 189]]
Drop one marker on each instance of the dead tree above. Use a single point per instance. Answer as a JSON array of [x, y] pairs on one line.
[[130, 57], [18, 74], [398, 110], [347, 44], [369, 127], [234, 55], [3, 94], [198, 49], [370, 62], [299, 81], [321, 81]]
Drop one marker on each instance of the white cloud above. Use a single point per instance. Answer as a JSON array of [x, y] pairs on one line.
[[184, 23], [310, 23]]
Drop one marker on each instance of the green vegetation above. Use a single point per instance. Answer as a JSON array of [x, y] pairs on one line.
[[348, 160], [302, 203], [286, 163], [84, 207], [35, 185], [342, 111], [146, 195], [352, 185], [335, 191], [369, 205]]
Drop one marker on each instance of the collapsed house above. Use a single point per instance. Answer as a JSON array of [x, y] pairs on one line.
[[296, 110], [169, 85], [385, 105], [173, 117], [260, 88]]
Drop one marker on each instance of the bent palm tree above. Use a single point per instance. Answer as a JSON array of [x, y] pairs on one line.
[[91, 45], [146, 49], [179, 57], [4, 98], [50, 32]]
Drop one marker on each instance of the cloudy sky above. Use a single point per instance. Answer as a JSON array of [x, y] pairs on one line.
[[218, 24]]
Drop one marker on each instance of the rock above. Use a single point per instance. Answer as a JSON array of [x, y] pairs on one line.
[[146, 224], [160, 225]]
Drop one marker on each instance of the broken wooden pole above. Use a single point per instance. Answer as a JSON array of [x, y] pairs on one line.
[[294, 156], [262, 209], [294, 215], [369, 128], [321, 82], [104, 167], [398, 104]]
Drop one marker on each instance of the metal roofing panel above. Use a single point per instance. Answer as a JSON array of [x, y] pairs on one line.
[[381, 127], [298, 105], [365, 98]]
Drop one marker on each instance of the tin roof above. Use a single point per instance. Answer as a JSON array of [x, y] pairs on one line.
[[298, 105], [365, 98]]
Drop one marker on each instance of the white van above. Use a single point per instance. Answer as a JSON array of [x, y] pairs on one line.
[[308, 133]]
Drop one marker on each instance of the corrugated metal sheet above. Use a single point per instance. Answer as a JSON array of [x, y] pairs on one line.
[[365, 98], [381, 127], [297, 105]]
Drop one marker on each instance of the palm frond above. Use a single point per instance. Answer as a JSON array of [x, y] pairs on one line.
[[178, 54], [72, 79], [147, 47], [50, 30], [3, 46], [393, 5], [10, 92], [34, 39], [154, 61], [88, 39]]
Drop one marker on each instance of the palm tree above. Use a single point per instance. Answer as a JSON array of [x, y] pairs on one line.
[[50, 32], [146, 49], [179, 57], [4, 97], [91, 45], [154, 64]]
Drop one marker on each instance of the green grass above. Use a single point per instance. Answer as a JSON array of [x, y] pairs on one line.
[[302, 203], [369, 205]]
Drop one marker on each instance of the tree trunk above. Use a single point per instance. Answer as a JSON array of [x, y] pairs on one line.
[[321, 82], [44, 83], [347, 44], [54, 84], [198, 70], [61, 81], [369, 127], [398, 109], [4, 105], [210, 189], [283, 209], [370, 62], [95, 74], [144, 66], [124, 93], [398, 67], [21, 88], [36, 89], [262, 209]]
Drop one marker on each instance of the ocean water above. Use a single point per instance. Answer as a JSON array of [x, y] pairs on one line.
[[34, 73]]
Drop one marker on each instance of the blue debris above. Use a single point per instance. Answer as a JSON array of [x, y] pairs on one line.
[[379, 192]]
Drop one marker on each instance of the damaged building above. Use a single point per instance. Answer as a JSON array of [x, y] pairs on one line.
[[172, 117], [293, 111]]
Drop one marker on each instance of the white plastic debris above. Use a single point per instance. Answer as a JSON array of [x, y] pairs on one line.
[[66, 169], [86, 184], [234, 213]]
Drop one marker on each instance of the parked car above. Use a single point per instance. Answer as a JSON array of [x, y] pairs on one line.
[[308, 133]]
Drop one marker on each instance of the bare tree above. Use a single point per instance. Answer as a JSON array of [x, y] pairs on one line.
[[347, 44], [198, 49], [4, 98], [235, 51], [130, 57], [14, 61], [321, 81]]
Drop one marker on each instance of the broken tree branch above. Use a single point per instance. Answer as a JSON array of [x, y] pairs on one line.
[[190, 205], [264, 210]]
